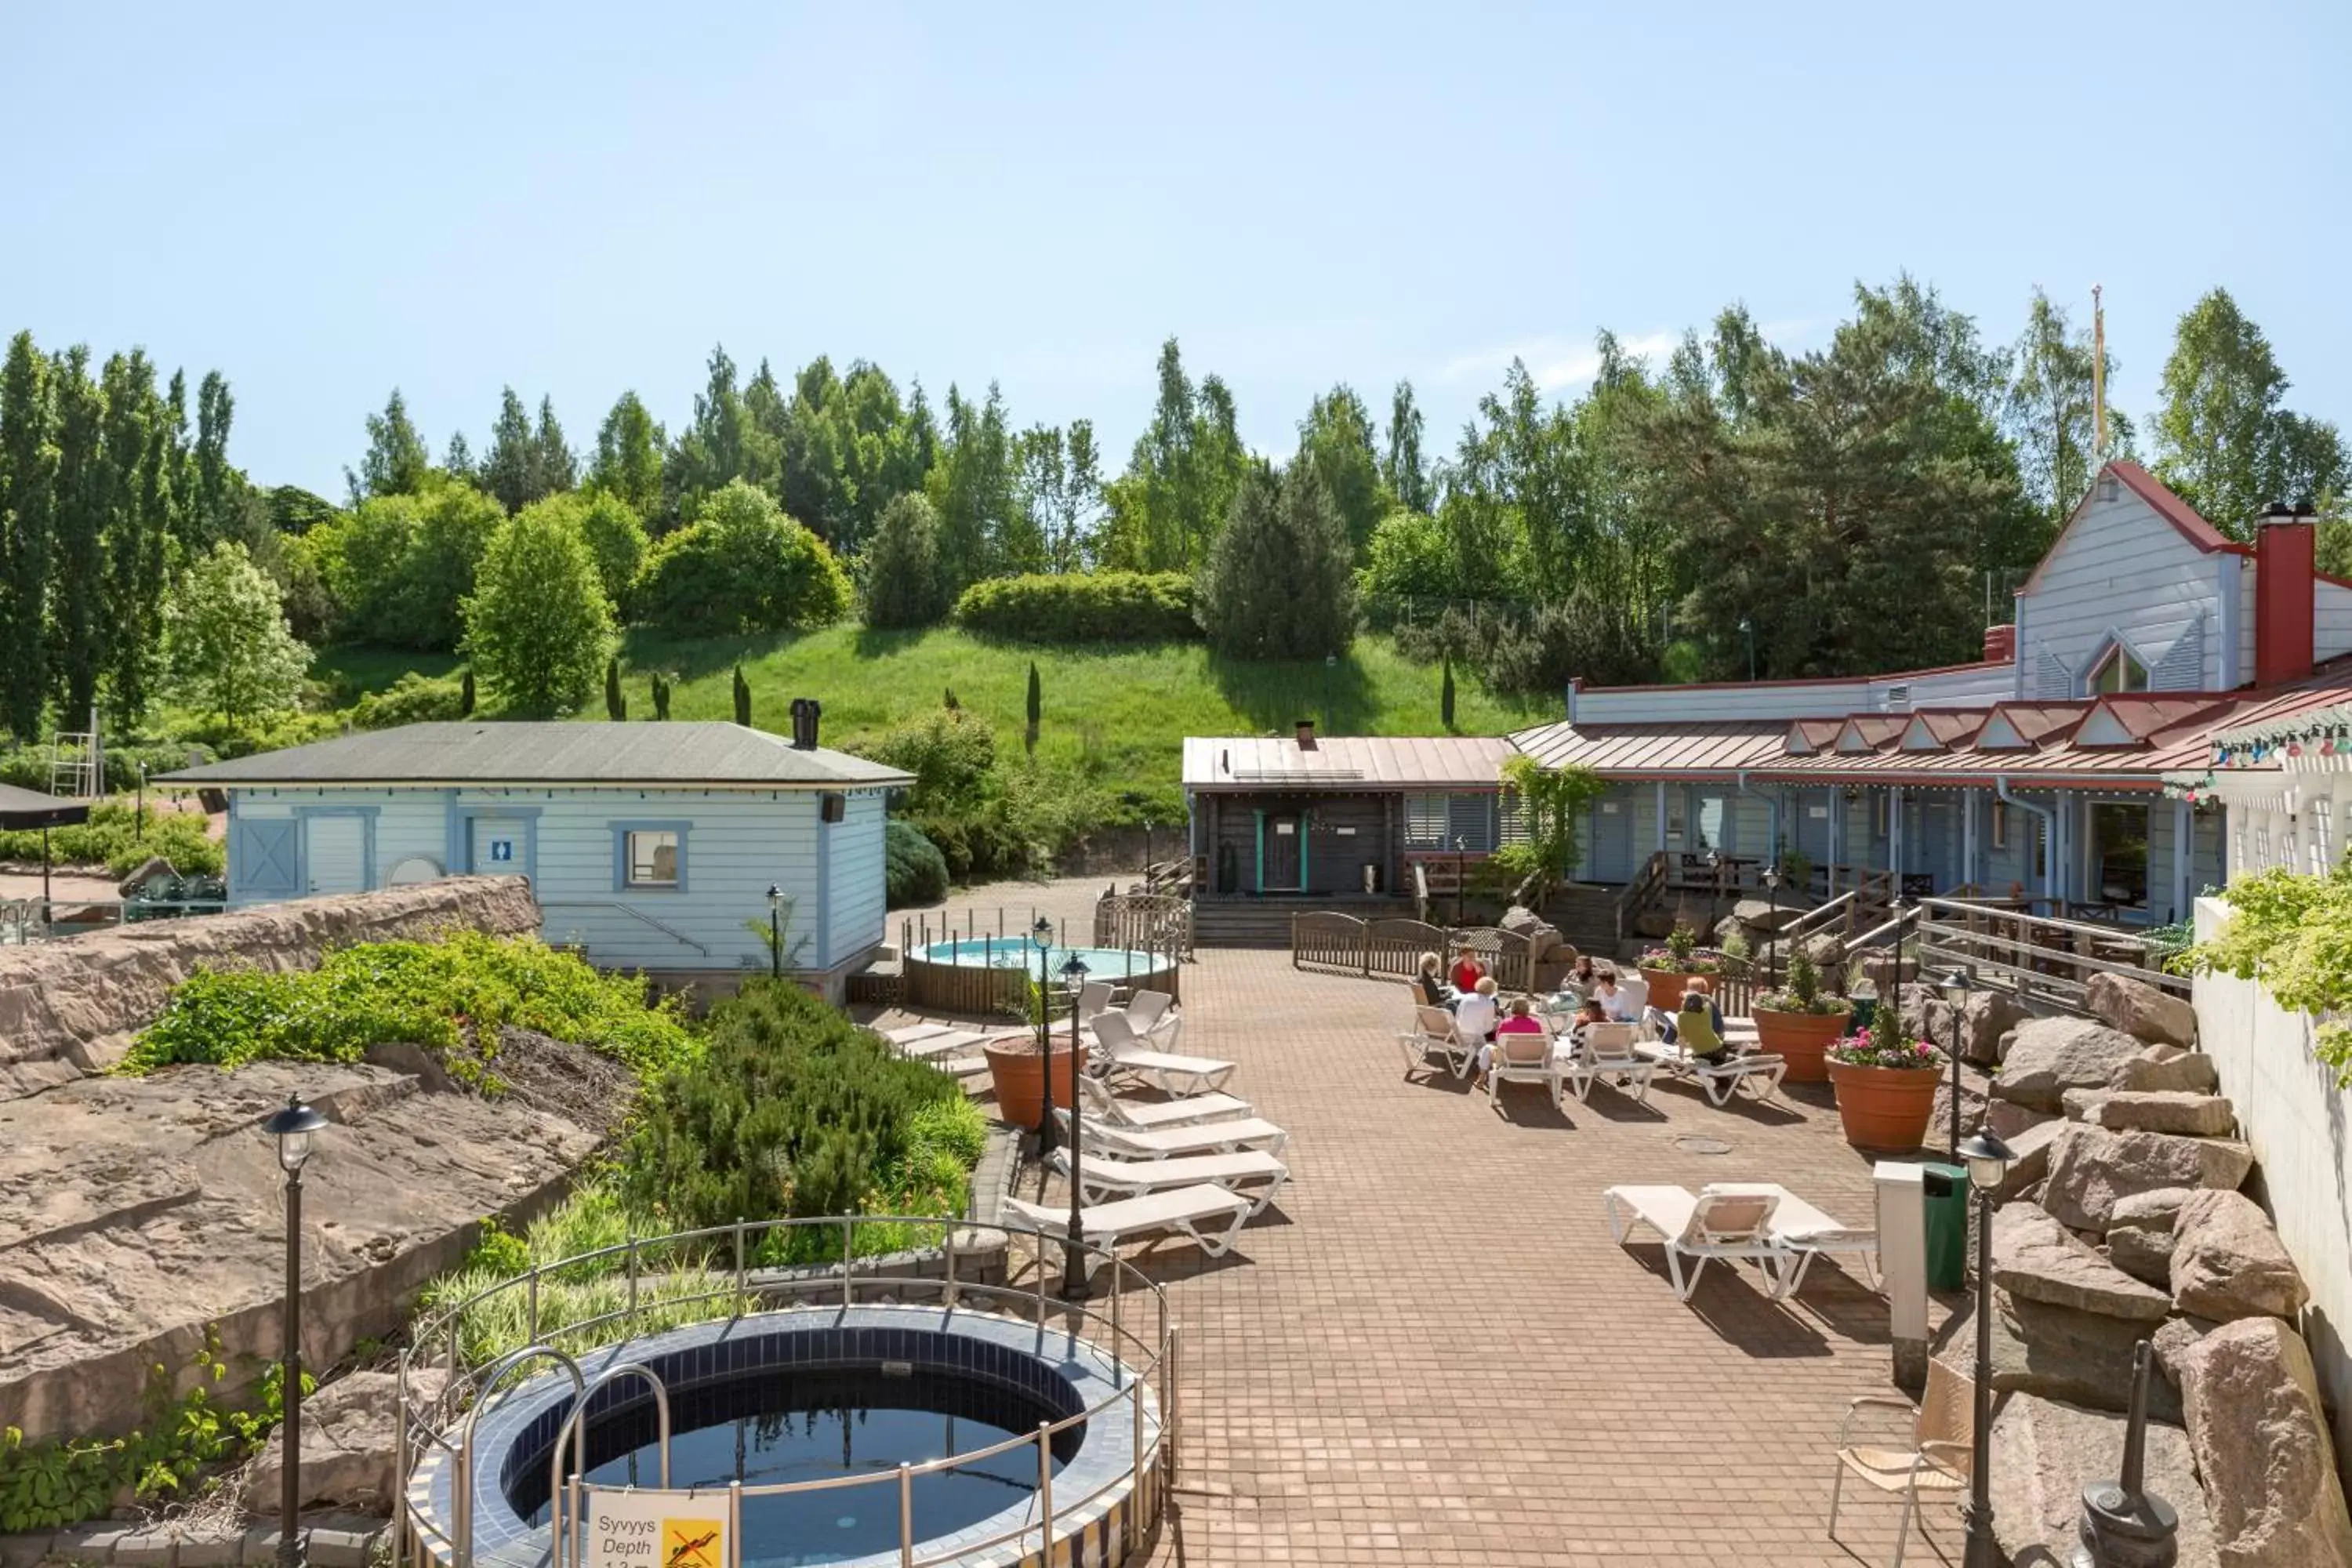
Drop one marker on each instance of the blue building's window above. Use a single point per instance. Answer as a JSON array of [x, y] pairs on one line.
[[651, 859]]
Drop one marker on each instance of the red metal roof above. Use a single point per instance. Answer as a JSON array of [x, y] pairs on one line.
[[1344, 762], [2174, 510]]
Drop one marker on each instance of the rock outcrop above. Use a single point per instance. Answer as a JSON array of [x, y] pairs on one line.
[[2047, 1057], [2058, 1353], [2228, 1261], [2156, 1111], [2049, 1451], [69, 1009], [1987, 1018], [2168, 1070], [2036, 1258], [2262, 1447], [350, 1446], [2140, 1010], [2091, 1168], [137, 1212], [2139, 1235]]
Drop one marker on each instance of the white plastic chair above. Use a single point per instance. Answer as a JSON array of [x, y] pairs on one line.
[[1522, 1055]]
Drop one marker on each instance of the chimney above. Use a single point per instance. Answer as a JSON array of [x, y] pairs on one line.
[[1306, 734], [2285, 587], [806, 710], [2001, 644]]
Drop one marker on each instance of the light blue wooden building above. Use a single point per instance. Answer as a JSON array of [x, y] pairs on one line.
[[649, 846]]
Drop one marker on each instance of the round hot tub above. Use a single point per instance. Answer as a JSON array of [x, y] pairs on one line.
[[793, 1403], [985, 974]]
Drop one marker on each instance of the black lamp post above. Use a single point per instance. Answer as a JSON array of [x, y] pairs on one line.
[[293, 1128], [1772, 937], [1714, 890], [1748, 630], [1074, 1245], [1987, 1160], [1461, 873], [1149, 884], [1955, 987], [1042, 935], [775, 931]]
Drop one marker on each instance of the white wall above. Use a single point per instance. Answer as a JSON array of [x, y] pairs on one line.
[[2121, 565], [2300, 1126], [2331, 620], [854, 864]]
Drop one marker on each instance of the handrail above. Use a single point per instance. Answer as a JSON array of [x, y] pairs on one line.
[[1803, 926], [1637, 894], [662, 926], [1157, 1359], [575, 1427]]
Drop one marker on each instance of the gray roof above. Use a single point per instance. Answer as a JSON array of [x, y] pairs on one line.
[[1344, 762], [480, 752]]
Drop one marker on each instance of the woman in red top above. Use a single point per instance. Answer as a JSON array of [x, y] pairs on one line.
[[1467, 974]]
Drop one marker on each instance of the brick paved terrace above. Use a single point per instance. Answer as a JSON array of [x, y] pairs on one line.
[[1429, 1351]]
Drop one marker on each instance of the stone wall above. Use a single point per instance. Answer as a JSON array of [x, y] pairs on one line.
[[68, 1009], [2299, 1125]]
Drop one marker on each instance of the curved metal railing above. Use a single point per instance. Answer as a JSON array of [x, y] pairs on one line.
[[720, 1287]]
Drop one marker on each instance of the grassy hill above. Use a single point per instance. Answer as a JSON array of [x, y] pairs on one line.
[[1115, 716]]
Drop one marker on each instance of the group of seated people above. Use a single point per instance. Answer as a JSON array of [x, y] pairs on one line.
[[1480, 1013]]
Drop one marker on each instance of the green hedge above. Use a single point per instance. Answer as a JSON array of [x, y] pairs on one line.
[[452, 996], [914, 871], [1094, 607], [112, 838]]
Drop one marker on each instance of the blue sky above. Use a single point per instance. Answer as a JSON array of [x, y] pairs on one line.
[[326, 201]]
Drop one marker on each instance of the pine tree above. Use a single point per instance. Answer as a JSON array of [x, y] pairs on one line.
[[396, 461], [1445, 697], [78, 586], [661, 701], [511, 469], [742, 699], [466, 695], [135, 443], [28, 474], [903, 586], [556, 468], [616, 704], [628, 461], [1280, 579], [457, 458], [215, 481], [1036, 708]]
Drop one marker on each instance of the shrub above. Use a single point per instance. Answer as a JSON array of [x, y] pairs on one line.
[[794, 1110], [398, 566], [538, 622], [742, 566], [29, 767], [913, 868], [112, 838], [1095, 606], [903, 586], [436, 994], [1278, 583], [414, 699]]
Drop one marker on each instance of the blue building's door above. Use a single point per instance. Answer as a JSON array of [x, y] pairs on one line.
[[500, 845], [1612, 841]]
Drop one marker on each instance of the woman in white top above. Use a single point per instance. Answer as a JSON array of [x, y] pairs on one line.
[[1475, 1015], [1614, 1002]]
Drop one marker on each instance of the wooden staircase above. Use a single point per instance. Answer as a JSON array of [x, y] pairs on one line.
[[1586, 917], [1266, 922]]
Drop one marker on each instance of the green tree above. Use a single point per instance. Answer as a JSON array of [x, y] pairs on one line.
[[556, 468], [2048, 412], [226, 648], [723, 444], [1279, 581], [396, 462], [615, 538], [628, 461], [1336, 440], [1402, 469], [457, 459], [1550, 802], [1410, 557], [216, 485], [2225, 441], [466, 694], [741, 566], [28, 479], [136, 442], [537, 623], [78, 640], [1181, 478], [1035, 708], [511, 469], [398, 567], [903, 585], [971, 487], [1445, 697], [742, 699], [616, 705]]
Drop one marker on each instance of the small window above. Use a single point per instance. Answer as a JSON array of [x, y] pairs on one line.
[[2000, 825], [1880, 814], [652, 858], [2119, 671], [1425, 822]]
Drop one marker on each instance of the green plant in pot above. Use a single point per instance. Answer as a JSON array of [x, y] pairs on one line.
[[1668, 970], [1886, 1084], [1801, 1021]]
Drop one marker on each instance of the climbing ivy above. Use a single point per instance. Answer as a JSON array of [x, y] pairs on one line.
[[2293, 935]]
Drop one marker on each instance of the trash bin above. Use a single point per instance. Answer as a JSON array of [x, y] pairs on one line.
[[1946, 1189]]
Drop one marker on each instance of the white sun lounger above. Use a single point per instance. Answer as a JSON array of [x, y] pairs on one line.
[[1099, 1176], [1753, 1071], [1185, 1209], [1125, 1056], [1434, 1041], [908, 1034], [1108, 1107], [1608, 1050], [1727, 1220], [1172, 1143], [1809, 1234]]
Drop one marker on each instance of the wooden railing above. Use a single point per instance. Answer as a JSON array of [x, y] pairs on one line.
[[1392, 947], [1145, 922], [2035, 955], [1637, 894]]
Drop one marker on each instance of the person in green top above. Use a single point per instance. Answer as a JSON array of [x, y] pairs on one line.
[[1697, 1029]]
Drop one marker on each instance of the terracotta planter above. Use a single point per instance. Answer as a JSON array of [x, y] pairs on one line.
[[1885, 1107], [1799, 1038], [1019, 1075], [1666, 986]]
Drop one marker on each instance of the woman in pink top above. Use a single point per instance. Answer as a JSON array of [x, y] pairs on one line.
[[1517, 1021]]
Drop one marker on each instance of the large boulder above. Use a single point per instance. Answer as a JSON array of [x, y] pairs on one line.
[[2143, 1011], [2091, 1168], [2048, 1451], [1973, 1092], [1762, 916], [2047, 1057], [2035, 1258], [68, 1009], [1987, 1018], [2156, 1111], [350, 1445], [2162, 1069], [2139, 1235], [2261, 1445], [2058, 1353], [1542, 936], [2031, 1164], [2228, 1261]]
